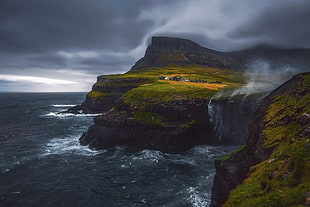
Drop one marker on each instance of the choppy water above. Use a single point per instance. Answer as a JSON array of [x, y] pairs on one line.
[[42, 163]]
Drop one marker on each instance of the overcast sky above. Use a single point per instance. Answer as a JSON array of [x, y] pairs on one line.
[[63, 45]]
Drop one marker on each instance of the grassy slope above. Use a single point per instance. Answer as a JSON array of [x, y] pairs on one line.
[[284, 178], [162, 91], [155, 91]]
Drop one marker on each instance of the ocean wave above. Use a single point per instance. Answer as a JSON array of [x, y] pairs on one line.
[[196, 198], [68, 144], [61, 115], [62, 106], [149, 155]]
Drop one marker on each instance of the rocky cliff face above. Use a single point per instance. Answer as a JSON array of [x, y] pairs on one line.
[[172, 127], [272, 168], [167, 51]]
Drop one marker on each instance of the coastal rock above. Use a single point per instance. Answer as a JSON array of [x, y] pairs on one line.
[[184, 125], [174, 126], [265, 152]]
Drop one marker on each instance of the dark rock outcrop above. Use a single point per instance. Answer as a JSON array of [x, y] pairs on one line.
[[232, 170], [185, 124]]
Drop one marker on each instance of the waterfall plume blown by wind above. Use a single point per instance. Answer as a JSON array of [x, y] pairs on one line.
[[263, 76]]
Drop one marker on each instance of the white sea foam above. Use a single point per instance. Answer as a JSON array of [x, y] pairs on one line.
[[61, 115], [197, 198], [149, 155], [68, 144], [62, 106]]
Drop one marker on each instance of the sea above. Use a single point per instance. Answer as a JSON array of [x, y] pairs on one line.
[[42, 163]]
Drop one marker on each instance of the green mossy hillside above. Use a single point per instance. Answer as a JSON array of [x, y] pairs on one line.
[[163, 91], [148, 89], [148, 117], [190, 72], [284, 179], [95, 95]]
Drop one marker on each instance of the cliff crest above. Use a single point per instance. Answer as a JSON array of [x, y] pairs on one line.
[[170, 51]]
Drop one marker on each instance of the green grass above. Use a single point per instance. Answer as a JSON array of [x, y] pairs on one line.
[[233, 153], [155, 91], [284, 178], [148, 117], [95, 95], [164, 91], [207, 74]]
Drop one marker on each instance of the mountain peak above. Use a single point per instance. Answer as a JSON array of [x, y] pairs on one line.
[[172, 51], [173, 43], [179, 52]]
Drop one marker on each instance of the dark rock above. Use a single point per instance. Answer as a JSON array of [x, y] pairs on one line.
[[305, 119], [307, 198], [229, 174], [185, 124]]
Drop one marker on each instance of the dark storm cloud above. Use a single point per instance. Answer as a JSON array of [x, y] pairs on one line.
[[44, 60], [284, 24], [36, 25]]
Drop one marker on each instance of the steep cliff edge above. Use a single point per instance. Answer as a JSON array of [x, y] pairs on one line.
[[272, 168]]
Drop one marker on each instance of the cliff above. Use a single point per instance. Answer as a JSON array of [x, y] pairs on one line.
[[168, 56], [170, 115], [106, 93], [272, 168], [173, 127]]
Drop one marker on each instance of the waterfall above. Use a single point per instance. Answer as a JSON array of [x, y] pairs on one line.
[[210, 110], [230, 117]]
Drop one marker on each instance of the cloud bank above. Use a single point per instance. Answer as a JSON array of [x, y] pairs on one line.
[[43, 38]]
